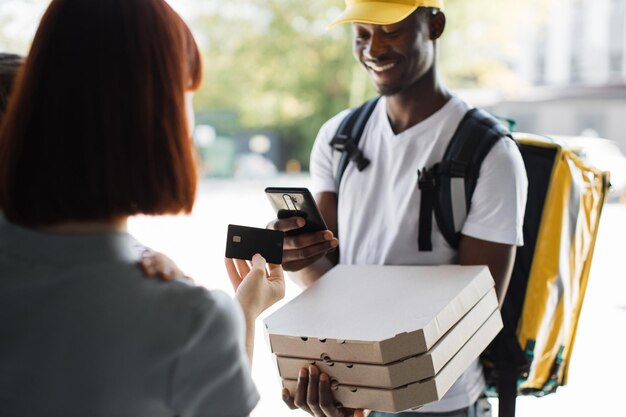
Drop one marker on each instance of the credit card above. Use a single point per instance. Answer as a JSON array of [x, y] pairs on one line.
[[243, 242]]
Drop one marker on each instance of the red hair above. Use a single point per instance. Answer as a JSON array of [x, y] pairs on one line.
[[96, 127]]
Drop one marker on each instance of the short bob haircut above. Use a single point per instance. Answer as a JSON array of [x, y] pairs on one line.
[[96, 128]]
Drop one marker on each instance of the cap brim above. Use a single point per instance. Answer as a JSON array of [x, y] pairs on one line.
[[374, 13]]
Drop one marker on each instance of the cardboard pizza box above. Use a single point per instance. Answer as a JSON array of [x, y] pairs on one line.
[[417, 394], [376, 314], [404, 371]]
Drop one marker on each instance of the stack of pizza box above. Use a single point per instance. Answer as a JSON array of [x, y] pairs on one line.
[[391, 338]]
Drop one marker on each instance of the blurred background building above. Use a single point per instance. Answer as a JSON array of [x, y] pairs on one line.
[[574, 60]]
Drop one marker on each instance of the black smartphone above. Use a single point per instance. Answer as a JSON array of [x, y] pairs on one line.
[[294, 201], [243, 242]]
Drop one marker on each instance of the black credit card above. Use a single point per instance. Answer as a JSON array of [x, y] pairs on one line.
[[244, 242]]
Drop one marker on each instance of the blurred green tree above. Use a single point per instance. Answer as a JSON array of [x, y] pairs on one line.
[[277, 65]]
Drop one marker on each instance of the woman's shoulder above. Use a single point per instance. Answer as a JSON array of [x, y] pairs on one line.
[[189, 298]]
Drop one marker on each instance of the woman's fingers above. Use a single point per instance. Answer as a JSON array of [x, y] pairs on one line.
[[275, 272], [233, 274], [156, 264], [243, 268]]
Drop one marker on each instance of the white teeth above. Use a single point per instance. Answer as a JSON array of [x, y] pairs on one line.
[[381, 68]]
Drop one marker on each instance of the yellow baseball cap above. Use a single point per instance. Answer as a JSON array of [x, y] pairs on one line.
[[381, 12]]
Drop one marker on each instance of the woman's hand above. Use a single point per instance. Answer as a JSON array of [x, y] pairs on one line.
[[257, 284], [155, 264]]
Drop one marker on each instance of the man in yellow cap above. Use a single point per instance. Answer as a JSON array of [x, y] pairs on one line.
[[377, 213]]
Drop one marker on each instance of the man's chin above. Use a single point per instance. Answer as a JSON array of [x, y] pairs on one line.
[[388, 90], [385, 89]]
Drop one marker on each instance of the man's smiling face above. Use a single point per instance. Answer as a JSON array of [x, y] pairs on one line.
[[397, 55]]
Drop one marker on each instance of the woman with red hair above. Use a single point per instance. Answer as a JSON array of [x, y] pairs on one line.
[[98, 129]]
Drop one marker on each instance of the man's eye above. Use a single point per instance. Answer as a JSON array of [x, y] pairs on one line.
[[392, 33]]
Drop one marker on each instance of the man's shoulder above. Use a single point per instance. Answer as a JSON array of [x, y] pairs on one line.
[[329, 128]]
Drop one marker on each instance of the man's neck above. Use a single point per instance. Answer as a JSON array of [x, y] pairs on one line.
[[416, 103], [74, 227]]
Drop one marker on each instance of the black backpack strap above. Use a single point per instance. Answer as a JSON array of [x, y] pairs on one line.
[[426, 183], [347, 138], [474, 137]]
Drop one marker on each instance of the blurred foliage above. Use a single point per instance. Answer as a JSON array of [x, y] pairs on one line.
[[272, 63], [277, 65]]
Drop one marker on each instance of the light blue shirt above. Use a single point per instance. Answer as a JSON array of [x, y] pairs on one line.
[[84, 333]]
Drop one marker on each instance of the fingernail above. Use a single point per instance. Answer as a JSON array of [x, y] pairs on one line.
[[334, 243], [300, 222], [323, 377], [328, 235], [312, 370], [302, 373]]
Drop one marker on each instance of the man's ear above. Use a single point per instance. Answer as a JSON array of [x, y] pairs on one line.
[[437, 24]]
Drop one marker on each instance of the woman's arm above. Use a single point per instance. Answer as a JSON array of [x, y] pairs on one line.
[[257, 286]]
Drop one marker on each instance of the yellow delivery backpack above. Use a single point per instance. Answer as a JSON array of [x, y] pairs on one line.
[[561, 254], [547, 288]]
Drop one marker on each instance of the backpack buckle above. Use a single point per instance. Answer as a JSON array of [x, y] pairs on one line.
[[343, 143], [425, 180]]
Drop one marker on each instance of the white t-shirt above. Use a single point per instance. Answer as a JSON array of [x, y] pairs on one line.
[[378, 207]]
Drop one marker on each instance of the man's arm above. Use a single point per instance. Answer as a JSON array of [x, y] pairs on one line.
[[309, 256], [497, 256]]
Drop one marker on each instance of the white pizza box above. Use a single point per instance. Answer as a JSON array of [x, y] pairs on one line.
[[417, 394], [376, 314], [404, 371]]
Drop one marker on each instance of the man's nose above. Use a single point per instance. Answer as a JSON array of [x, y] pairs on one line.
[[375, 47]]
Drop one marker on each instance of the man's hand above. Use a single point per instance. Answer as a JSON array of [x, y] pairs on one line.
[[157, 265], [300, 251], [313, 395]]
